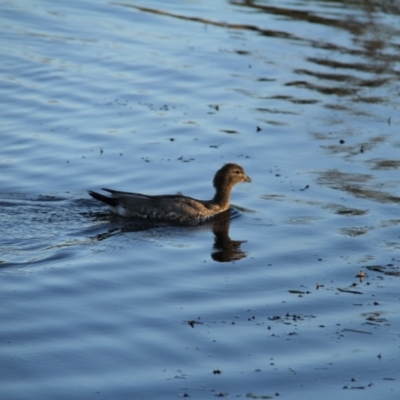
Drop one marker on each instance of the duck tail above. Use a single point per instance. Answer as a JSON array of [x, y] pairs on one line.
[[107, 200]]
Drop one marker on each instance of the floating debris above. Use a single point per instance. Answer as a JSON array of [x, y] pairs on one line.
[[356, 331], [258, 396], [298, 292], [217, 372], [349, 291], [192, 323], [361, 275]]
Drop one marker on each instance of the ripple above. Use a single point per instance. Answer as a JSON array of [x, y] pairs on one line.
[[355, 231], [41, 357], [341, 210], [301, 220]]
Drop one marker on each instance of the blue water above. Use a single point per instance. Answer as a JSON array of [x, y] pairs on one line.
[[154, 97]]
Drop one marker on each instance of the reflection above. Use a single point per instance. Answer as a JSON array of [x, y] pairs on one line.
[[389, 269], [356, 231], [116, 225], [355, 184], [384, 164], [225, 25], [353, 149], [357, 46], [339, 209], [224, 248], [349, 68]]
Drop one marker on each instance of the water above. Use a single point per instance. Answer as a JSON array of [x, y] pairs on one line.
[[154, 97]]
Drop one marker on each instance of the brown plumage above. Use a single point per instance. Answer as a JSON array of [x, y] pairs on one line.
[[177, 208]]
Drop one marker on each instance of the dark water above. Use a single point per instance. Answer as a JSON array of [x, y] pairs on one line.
[[296, 295]]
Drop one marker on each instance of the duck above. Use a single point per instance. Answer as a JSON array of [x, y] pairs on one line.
[[177, 208]]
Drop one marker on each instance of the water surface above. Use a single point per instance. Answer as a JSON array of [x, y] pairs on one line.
[[296, 295]]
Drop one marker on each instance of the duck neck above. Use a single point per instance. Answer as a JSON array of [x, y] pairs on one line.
[[222, 196]]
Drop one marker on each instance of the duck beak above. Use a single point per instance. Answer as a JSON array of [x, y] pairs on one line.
[[247, 179]]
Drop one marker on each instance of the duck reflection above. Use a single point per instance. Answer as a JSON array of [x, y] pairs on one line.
[[224, 248]]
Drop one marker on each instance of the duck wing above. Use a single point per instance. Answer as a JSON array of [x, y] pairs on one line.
[[178, 208]]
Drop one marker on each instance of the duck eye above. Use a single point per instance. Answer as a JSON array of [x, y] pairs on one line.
[[237, 172]]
